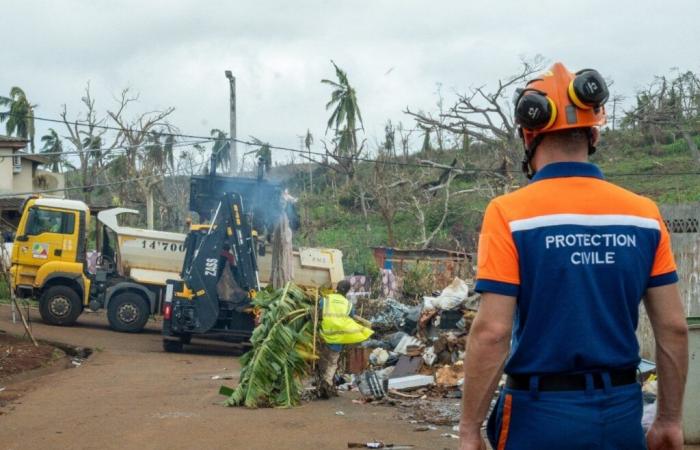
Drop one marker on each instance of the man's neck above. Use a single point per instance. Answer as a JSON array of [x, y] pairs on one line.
[[543, 158]]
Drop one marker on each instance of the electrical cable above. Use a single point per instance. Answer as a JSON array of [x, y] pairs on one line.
[[341, 157], [90, 186]]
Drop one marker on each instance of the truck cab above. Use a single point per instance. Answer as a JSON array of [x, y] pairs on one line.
[[49, 257]]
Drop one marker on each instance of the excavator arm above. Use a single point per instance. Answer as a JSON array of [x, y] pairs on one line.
[[227, 244]]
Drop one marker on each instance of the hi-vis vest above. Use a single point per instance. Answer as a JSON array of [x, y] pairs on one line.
[[337, 327]]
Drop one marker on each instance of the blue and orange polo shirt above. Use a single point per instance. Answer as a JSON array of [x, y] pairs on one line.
[[578, 253]]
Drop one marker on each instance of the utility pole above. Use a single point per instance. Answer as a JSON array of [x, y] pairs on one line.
[[233, 152]]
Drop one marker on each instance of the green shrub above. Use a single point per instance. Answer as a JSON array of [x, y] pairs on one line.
[[418, 281]]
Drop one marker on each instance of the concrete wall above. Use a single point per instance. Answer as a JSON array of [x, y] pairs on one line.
[[44, 180], [683, 222], [6, 178], [24, 181], [29, 179]]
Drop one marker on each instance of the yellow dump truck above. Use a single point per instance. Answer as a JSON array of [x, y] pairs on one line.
[[49, 262]]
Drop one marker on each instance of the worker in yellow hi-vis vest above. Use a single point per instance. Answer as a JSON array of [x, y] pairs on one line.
[[339, 326]]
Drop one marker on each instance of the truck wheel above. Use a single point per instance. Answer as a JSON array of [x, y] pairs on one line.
[[60, 305], [172, 346], [128, 312]]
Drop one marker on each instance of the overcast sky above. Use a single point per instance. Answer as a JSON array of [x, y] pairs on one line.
[[395, 52]]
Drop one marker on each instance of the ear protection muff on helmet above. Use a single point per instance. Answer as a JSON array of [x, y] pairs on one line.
[[534, 110], [559, 100], [588, 89]]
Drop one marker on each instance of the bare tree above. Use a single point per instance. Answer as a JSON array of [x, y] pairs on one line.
[[86, 134], [484, 115], [405, 139], [668, 106], [147, 155]]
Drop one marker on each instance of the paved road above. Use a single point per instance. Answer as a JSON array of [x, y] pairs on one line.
[[131, 395]]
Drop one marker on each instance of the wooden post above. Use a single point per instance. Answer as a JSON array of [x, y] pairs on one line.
[[315, 325]]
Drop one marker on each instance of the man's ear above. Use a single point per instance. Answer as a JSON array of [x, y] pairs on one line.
[[595, 136]]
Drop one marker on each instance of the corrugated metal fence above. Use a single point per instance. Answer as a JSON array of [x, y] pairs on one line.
[[683, 222]]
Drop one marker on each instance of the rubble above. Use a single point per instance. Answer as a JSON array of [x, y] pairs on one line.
[[450, 376], [415, 359], [411, 382]]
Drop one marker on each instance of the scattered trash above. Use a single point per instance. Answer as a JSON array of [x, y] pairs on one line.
[[450, 375], [429, 356], [411, 381], [174, 415], [76, 362], [2, 388], [425, 428], [450, 435], [371, 385], [407, 365], [378, 357], [393, 315], [378, 444], [646, 367], [648, 416], [339, 413], [450, 298], [357, 359], [222, 377], [405, 343]]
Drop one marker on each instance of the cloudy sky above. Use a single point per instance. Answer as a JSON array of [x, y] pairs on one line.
[[395, 52]]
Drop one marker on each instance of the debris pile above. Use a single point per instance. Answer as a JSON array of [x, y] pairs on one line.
[[415, 359]]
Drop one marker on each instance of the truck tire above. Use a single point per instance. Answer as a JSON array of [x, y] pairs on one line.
[[128, 312], [172, 346], [60, 305]]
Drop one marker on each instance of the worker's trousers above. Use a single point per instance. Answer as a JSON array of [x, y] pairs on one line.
[[609, 418]]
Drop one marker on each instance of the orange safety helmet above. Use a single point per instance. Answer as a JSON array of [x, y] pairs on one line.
[[559, 100]]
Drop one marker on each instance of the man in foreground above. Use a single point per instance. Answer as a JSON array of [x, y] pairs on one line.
[[562, 266]]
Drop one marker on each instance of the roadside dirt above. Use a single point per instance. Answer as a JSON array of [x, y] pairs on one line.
[[20, 355], [130, 394]]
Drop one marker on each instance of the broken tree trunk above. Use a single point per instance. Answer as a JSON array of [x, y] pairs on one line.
[[281, 253]]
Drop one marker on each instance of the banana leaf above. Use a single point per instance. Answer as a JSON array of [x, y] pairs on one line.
[[274, 368]]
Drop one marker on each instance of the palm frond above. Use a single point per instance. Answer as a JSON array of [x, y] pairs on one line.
[[272, 371]]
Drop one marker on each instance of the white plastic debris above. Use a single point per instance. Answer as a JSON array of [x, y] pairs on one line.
[[411, 381], [222, 377], [450, 297], [405, 342], [648, 416], [339, 413], [378, 357], [450, 435], [429, 356]]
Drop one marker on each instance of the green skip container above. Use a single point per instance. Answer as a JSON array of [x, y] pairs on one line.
[[691, 403]]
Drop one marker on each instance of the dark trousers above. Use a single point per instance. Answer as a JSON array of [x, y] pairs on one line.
[[608, 418]]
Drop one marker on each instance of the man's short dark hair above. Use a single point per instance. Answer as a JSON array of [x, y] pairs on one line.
[[343, 287]]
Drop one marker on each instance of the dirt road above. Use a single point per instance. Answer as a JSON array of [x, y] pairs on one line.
[[130, 394]]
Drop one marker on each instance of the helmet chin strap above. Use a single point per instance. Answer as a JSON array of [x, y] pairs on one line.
[[591, 143], [526, 166]]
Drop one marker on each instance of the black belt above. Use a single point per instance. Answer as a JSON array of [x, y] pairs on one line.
[[571, 382]]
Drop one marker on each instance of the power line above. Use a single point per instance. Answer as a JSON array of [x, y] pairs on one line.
[[107, 127], [128, 147], [90, 186], [341, 157]]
